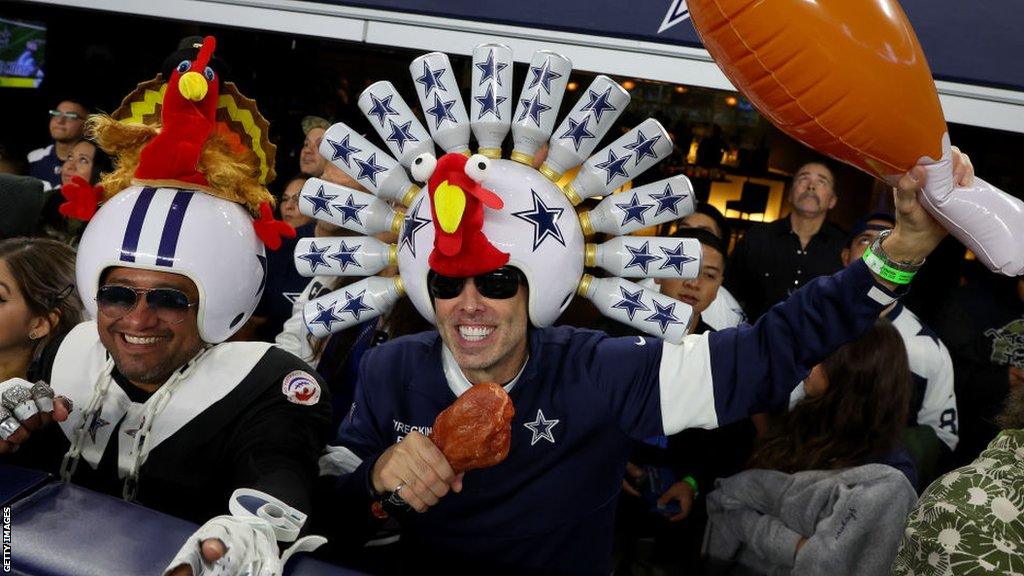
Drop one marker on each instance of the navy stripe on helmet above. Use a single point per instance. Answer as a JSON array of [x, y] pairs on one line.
[[134, 229], [172, 228]]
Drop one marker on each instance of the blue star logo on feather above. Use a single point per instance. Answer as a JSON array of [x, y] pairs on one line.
[[400, 134], [533, 108], [599, 103], [431, 79], [543, 76], [368, 169], [97, 423], [315, 257], [577, 132], [342, 150], [321, 201], [489, 103], [350, 209], [381, 108], [634, 210], [541, 428], [354, 305], [676, 259], [631, 302], [641, 257], [544, 221], [613, 166], [326, 316], [665, 316], [441, 111], [667, 201], [643, 147], [346, 256], [410, 226], [490, 69]]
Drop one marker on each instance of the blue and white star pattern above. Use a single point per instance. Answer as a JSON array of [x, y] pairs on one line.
[[634, 210], [643, 147], [490, 69], [368, 169], [533, 108], [641, 257], [346, 256], [400, 134], [667, 201], [489, 103], [676, 259], [664, 315], [326, 316], [321, 201], [97, 423], [599, 103], [631, 302], [544, 221], [613, 166], [577, 132], [441, 111], [315, 257], [543, 76], [541, 428], [411, 225], [354, 305], [343, 150], [381, 108], [350, 210], [431, 79]]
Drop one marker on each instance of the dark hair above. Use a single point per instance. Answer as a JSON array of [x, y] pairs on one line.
[[101, 163], [820, 162], [45, 272], [720, 220], [862, 412], [706, 238]]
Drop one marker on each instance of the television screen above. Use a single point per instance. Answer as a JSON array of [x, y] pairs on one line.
[[22, 53]]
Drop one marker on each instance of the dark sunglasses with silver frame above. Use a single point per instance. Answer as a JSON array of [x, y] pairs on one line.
[[170, 304], [497, 284]]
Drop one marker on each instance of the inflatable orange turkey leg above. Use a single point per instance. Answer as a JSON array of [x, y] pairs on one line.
[[850, 80]]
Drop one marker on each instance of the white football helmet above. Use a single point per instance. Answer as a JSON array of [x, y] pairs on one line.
[[537, 227], [209, 240]]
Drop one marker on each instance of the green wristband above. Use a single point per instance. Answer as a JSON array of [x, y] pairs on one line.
[[880, 267], [693, 484]]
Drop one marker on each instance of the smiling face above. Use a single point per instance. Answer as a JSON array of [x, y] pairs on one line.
[[146, 349], [813, 191], [486, 336], [67, 130], [311, 162], [701, 291]]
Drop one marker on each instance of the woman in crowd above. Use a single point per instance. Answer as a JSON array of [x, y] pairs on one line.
[[87, 161]]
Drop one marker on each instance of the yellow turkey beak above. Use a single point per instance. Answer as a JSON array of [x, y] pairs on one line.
[[192, 86], [449, 203]]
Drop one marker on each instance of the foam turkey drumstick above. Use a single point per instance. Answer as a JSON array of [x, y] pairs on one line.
[[476, 430]]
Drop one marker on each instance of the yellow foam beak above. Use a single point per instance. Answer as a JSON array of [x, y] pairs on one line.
[[450, 204], [192, 86]]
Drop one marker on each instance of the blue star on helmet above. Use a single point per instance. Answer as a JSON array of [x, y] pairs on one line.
[[676, 259], [544, 221], [321, 201], [346, 256], [431, 79], [400, 134], [350, 210], [578, 132], [97, 423], [634, 210], [410, 226], [543, 76], [343, 150], [643, 147], [641, 257], [533, 108], [368, 169], [599, 103], [441, 111], [631, 302], [667, 201], [613, 166], [315, 257], [381, 108], [354, 305], [326, 316], [490, 69], [665, 316], [489, 103]]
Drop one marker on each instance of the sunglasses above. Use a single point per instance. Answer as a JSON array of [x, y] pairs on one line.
[[66, 115], [170, 305], [499, 284]]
